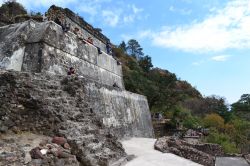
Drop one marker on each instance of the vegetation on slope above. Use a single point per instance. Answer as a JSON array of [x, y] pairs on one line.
[[177, 100]]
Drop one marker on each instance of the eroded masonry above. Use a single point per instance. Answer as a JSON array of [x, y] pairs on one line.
[[38, 95]]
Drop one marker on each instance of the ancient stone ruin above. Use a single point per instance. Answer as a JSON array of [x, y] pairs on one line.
[[37, 96], [200, 153]]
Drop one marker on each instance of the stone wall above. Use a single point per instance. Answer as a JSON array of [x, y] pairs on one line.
[[125, 113], [44, 47], [76, 21], [39, 95]]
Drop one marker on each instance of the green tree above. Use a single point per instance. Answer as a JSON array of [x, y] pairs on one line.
[[11, 8], [145, 63], [242, 107], [243, 104], [134, 49], [192, 122], [123, 47]]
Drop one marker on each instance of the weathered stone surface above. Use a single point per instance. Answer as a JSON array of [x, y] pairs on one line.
[[77, 109], [77, 22], [189, 151], [85, 108], [44, 47], [212, 149]]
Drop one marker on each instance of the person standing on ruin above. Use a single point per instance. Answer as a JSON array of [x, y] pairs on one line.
[[109, 48]]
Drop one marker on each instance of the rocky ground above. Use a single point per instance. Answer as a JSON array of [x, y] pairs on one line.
[[200, 153], [54, 106], [35, 150]]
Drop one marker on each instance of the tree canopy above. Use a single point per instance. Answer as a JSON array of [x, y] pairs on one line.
[[11, 8], [134, 49]]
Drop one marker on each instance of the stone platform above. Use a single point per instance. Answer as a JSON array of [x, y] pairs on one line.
[[44, 48]]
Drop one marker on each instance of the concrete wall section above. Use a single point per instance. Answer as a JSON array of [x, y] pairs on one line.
[[125, 113]]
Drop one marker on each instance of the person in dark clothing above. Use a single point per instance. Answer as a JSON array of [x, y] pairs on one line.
[[99, 50], [109, 48], [71, 71]]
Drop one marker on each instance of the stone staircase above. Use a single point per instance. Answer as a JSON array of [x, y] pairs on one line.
[[57, 105]]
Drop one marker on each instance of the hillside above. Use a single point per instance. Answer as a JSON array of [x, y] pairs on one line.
[[181, 103], [162, 88]]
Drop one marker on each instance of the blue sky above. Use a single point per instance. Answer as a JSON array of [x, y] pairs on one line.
[[204, 42]]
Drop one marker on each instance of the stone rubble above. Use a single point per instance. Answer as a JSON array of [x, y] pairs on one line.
[[53, 152], [201, 153]]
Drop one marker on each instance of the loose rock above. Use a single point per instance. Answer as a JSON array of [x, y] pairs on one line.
[[59, 140]]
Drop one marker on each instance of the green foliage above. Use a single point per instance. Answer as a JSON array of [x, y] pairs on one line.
[[241, 135], [242, 107], [192, 122], [11, 9], [145, 63], [123, 47], [208, 105], [178, 115], [214, 120], [222, 139], [134, 49]]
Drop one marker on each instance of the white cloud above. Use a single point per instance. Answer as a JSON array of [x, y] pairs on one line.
[[220, 58], [144, 33], [136, 10], [180, 11], [198, 63], [129, 18], [109, 12], [221, 30], [110, 18]]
